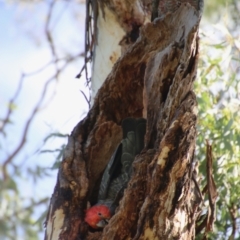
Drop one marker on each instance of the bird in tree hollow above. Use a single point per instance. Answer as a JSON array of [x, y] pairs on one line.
[[117, 173]]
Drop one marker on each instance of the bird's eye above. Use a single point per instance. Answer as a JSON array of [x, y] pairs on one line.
[[99, 214]]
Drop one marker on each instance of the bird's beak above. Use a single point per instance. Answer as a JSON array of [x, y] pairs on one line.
[[102, 223]]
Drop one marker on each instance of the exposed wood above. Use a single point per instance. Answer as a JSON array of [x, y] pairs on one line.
[[153, 78], [107, 49], [111, 27]]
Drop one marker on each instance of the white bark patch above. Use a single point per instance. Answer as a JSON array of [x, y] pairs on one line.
[[149, 234], [195, 110], [163, 155], [54, 225], [179, 220], [107, 50]]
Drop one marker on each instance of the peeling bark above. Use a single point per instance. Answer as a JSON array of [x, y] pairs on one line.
[[211, 190], [153, 78]]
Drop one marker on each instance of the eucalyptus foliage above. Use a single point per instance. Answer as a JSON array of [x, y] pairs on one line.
[[218, 94]]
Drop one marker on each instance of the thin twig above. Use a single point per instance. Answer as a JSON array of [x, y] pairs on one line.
[[11, 103], [48, 31], [87, 100], [29, 121]]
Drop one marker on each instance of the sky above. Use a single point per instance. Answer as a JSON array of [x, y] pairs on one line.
[[24, 49]]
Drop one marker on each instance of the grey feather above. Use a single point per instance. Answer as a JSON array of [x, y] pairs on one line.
[[119, 169]]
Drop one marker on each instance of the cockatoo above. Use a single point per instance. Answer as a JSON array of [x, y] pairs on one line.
[[117, 173]]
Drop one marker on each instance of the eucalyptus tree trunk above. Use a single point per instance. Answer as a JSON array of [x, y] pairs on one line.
[[152, 78]]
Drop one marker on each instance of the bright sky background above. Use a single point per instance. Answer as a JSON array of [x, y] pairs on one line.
[[23, 49]]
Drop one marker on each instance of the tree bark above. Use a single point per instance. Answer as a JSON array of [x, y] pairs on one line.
[[152, 79]]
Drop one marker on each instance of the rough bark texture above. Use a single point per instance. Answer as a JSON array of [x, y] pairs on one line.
[[154, 78]]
